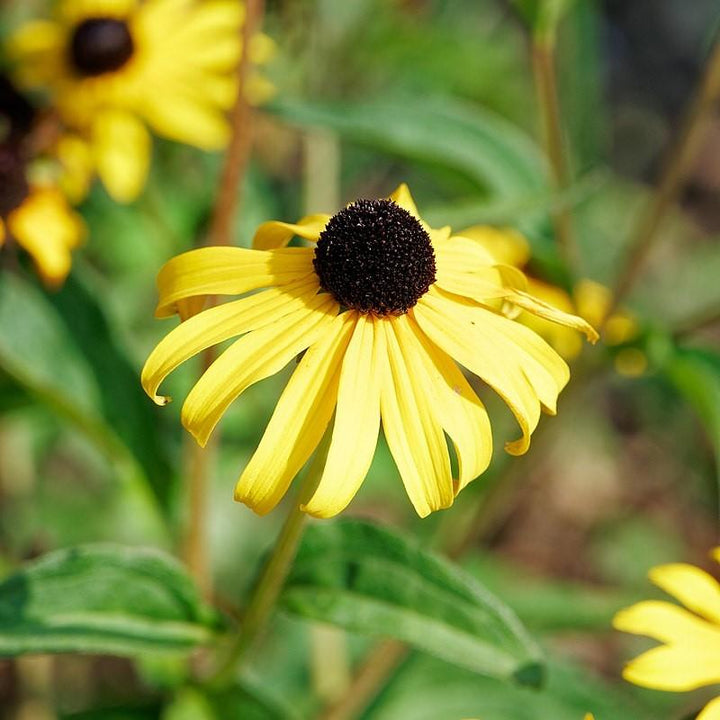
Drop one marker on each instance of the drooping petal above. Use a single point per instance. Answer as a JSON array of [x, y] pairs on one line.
[[276, 234], [520, 366], [711, 711], [457, 407], [667, 623], [253, 357], [221, 323], [122, 146], [47, 228], [693, 587], [548, 312], [299, 421], [675, 667], [227, 271], [357, 420], [414, 436]]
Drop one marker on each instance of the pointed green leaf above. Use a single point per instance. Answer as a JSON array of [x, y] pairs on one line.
[[373, 581], [102, 599]]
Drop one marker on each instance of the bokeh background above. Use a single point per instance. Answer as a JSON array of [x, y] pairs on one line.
[[370, 93]]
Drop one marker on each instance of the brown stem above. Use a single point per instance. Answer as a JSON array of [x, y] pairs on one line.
[[543, 64], [381, 662], [675, 170], [700, 321], [201, 460], [237, 155]]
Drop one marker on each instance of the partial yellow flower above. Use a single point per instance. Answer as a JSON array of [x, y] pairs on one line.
[[689, 656], [385, 310], [115, 67], [590, 300], [34, 214]]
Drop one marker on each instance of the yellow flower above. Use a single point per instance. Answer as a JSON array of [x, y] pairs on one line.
[[33, 212], [113, 67], [590, 300], [689, 657], [384, 307]]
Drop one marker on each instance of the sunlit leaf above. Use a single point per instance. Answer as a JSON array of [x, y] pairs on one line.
[[373, 581], [102, 599]]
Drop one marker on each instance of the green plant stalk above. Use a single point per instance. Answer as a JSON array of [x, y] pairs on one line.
[[546, 88], [676, 168], [264, 597]]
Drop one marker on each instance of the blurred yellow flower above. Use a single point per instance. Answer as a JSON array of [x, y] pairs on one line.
[[385, 306], [34, 214], [114, 67], [689, 657], [590, 300]]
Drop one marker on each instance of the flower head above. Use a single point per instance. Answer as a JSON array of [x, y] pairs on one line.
[[33, 212], [114, 67], [689, 656], [384, 307]]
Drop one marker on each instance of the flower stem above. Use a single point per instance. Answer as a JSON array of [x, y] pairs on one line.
[[676, 168], [546, 87], [265, 595], [201, 460]]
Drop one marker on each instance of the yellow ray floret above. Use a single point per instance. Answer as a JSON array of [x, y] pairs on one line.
[[689, 656], [396, 367]]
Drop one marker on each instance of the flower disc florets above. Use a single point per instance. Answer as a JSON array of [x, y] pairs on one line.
[[100, 45], [375, 257]]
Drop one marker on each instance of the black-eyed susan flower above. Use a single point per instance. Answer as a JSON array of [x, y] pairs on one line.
[[689, 656], [385, 308], [115, 67], [34, 214]]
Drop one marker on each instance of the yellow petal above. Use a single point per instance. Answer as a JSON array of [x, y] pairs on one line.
[[299, 420], [711, 711], [219, 324], [414, 436], [227, 271], [693, 587], [521, 367], [275, 234], [667, 623], [75, 156], [253, 357], [507, 246], [357, 421], [675, 667], [457, 407], [548, 312], [463, 254], [402, 197], [121, 145], [47, 228]]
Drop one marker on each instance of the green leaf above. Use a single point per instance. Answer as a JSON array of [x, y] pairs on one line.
[[481, 146], [102, 599], [38, 353], [695, 372], [426, 689], [123, 404], [372, 581]]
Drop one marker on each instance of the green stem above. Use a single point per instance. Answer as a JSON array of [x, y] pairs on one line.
[[265, 595], [675, 171], [546, 87]]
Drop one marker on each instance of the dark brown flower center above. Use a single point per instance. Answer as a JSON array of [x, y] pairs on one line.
[[375, 257], [16, 121], [100, 45]]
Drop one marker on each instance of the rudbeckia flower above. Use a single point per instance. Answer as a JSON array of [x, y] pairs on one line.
[[590, 299], [384, 309], [115, 67], [689, 657], [34, 214]]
